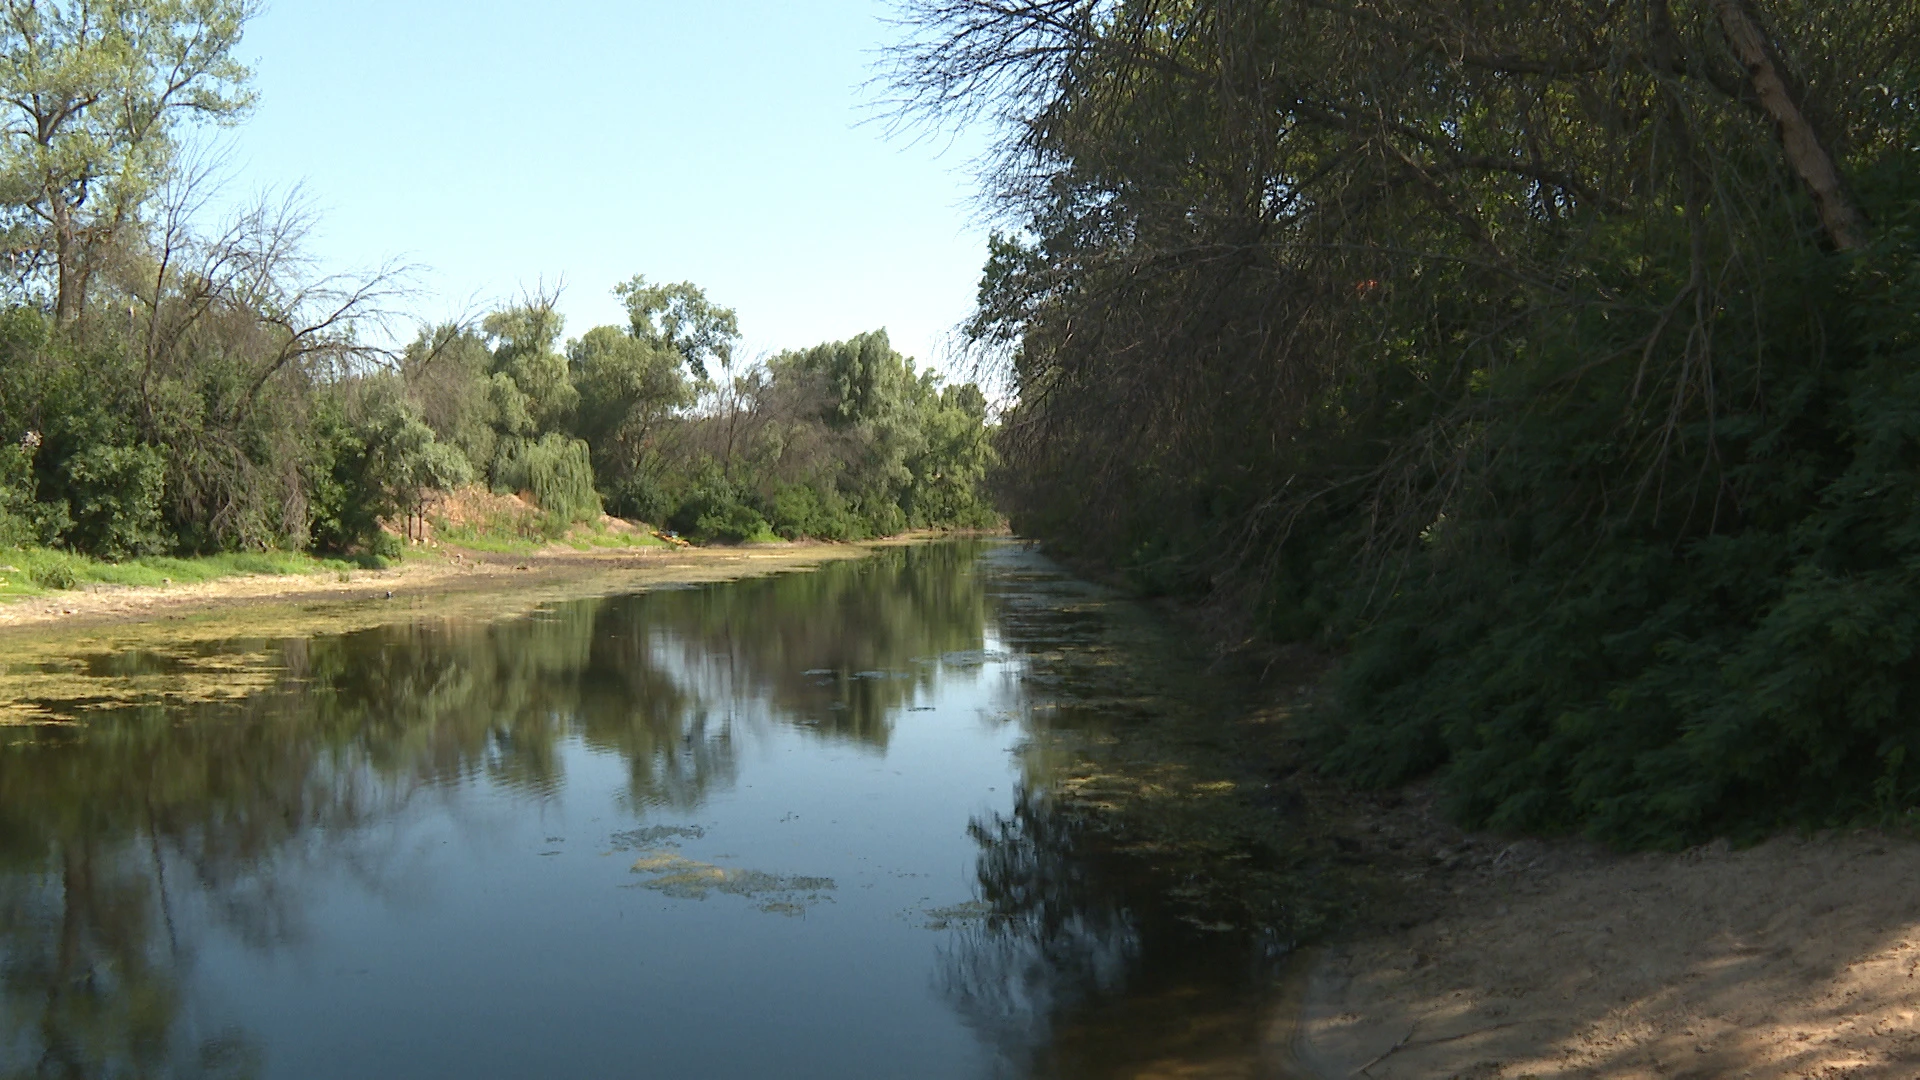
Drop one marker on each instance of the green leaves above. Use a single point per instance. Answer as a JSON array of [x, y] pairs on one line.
[[680, 318], [94, 91], [1501, 345]]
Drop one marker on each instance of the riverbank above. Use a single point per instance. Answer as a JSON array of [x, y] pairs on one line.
[[59, 652], [443, 570], [1451, 954], [1523, 958]]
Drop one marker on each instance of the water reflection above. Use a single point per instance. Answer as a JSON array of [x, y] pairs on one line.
[[1093, 951], [137, 843]]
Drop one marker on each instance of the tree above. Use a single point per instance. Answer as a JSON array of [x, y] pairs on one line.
[[679, 317], [447, 368], [628, 388], [93, 92], [1548, 356], [526, 337]]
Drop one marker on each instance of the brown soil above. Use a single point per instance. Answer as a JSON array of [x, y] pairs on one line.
[[1796, 958]]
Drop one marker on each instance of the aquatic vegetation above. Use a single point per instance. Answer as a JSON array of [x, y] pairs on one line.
[[675, 875]]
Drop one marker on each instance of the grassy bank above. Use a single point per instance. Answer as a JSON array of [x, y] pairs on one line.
[[31, 571]]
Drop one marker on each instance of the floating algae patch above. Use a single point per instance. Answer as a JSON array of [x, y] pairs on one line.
[[655, 837], [972, 912], [53, 689], [675, 875], [969, 658]]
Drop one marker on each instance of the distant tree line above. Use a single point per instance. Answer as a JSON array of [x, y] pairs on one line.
[[1555, 360], [170, 386]]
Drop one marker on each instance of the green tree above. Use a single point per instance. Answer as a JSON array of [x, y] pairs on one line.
[[680, 318], [94, 92], [1539, 354], [381, 461], [447, 370], [526, 339], [630, 389]]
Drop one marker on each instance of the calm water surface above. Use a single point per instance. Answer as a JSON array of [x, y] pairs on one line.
[[790, 827]]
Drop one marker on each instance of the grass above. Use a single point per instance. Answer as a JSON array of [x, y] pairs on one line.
[[503, 535], [30, 571], [605, 539], [499, 543]]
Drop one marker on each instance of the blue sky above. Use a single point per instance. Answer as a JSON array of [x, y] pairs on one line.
[[726, 142]]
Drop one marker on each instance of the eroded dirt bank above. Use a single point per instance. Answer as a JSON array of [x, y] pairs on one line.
[[1796, 958]]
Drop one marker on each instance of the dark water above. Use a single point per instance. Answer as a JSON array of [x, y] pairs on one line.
[[791, 827]]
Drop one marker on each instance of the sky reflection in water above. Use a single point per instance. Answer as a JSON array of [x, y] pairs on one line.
[[781, 827]]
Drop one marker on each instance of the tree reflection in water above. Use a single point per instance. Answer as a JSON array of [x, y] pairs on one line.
[[110, 826], [1077, 965], [1091, 951], [135, 839]]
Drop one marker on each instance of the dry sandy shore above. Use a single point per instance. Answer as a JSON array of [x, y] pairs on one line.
[[542, 575], [1796, 958]]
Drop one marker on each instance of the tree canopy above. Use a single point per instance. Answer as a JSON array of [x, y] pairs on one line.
[[172, 383], [1547, 358]]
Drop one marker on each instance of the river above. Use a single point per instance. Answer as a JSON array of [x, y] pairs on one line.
[[799, 826]]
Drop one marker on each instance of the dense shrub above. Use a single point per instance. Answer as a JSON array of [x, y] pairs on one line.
[[18, 525], [114, 494], [1657, 689]]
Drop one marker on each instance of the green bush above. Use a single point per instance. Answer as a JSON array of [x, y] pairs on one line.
[[802, 510], [713, 508], [114, 495], [733, 523], [386, 546], [17, 517], [1565, 673], [53, 571], [640, 497]]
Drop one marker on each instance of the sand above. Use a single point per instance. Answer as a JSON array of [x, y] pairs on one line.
[[1795, 958]]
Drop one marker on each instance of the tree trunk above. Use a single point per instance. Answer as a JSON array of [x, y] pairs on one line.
[[66, 263], [1810, 160]]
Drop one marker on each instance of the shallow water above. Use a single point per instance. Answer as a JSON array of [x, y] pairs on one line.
[[794, 827]]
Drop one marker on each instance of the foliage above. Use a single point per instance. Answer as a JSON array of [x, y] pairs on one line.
[[377, 460], [92, 94], [558, 472], [1549, 358], [17, 504], [173, 384], [114, 492], [679, 319]]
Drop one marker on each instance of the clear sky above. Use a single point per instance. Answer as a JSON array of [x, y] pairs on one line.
[[725, 142]]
